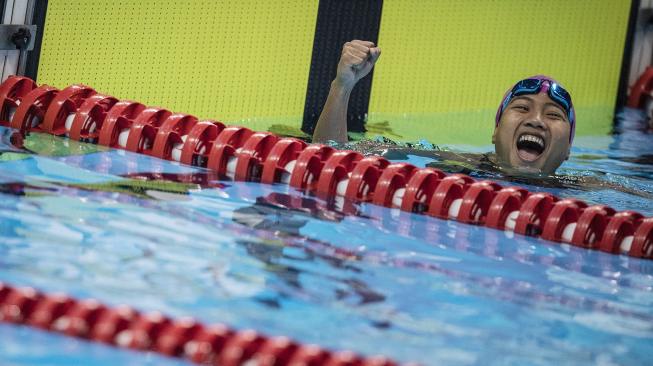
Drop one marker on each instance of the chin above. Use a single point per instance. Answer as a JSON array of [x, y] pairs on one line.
[[529, 170], [529, 167]]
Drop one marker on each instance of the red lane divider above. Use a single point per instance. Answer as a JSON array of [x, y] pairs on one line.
[[241, 154], [643, 87], [186, 338]]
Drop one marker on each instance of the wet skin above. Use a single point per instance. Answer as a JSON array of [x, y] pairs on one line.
[[532, 135]]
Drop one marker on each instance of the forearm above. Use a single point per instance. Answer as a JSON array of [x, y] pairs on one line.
[[332, 124]]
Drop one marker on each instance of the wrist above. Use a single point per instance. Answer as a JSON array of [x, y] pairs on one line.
[[341, 87]]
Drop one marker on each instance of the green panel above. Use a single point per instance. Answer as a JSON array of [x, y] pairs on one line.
[[446, 64], [238, 61]]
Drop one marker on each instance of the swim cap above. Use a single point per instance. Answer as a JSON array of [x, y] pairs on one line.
[[541, 84]]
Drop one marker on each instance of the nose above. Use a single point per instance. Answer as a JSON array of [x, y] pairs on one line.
[[535, 123]]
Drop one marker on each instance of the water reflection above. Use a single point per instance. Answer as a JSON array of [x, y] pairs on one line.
[[158, 235]]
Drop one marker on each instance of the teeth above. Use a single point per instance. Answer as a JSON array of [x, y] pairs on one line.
[[538, 140]]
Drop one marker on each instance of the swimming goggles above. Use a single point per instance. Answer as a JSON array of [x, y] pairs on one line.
[[533, 86]]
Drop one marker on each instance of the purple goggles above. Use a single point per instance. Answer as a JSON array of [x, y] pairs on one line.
[[541, 84]]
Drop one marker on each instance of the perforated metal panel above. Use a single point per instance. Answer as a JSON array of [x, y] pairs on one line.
[[228, 60], [444, 67], [446, 64]]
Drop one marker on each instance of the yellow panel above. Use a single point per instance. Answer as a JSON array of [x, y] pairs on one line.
[[239, 61], [446, 63]]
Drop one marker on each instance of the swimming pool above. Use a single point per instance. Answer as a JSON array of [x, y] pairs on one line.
[[126, 228]]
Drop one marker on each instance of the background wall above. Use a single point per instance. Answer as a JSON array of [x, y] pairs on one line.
[[229, 60], [446, 64], [444, 68]]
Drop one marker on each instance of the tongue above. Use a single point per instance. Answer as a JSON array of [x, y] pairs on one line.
[[528, 154]]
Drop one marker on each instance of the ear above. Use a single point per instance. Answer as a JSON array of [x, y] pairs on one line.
[[494, 135], [568, 152]]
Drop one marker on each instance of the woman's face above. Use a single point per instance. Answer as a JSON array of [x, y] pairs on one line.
[[532, 135]]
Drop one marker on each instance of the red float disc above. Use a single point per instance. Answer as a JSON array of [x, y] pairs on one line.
[[170, 133], [30, 112], [394, 177], [250, 159], [562, 213], [111, 322], [240, 348], [642, 87], [591, 225], [533, 212], [49, 309], [12, 91], [335, 169], [420, 189], [65, 103], [506, 201], [199, 142], [620, 225], [173, 338], [90, 116], [642, 246], [476, 202], [283, 152], [309, 166], [225, 146], [364, 177], [144, 129], [119, 117], [449, 189]]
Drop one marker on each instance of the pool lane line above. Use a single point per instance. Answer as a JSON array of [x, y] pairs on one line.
[[186, 338]]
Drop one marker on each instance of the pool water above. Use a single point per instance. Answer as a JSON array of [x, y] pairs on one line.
[[130, 229]]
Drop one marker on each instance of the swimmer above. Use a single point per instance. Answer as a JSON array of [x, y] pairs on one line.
[[534, 124]]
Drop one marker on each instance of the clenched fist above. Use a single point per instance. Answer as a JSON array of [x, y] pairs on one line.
[[356, 61]]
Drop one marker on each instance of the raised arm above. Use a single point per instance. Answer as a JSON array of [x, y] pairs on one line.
[[356, 61]]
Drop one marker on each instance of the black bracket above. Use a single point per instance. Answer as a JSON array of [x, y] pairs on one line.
[[17, 37]]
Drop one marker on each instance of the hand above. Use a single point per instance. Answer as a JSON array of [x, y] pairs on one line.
[[356, 61]]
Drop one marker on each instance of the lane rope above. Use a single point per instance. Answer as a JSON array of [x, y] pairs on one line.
[[124, 327]]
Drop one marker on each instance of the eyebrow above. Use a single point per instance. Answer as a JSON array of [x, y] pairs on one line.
[[522, 97]]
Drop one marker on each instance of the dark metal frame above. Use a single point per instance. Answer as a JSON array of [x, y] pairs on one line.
[[3, 4], [38, 18], [622, 91], [340, 21]]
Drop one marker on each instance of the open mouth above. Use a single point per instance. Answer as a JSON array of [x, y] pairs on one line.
[[530, 147]]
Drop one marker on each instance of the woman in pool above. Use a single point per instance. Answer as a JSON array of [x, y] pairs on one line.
[[534, 125]]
